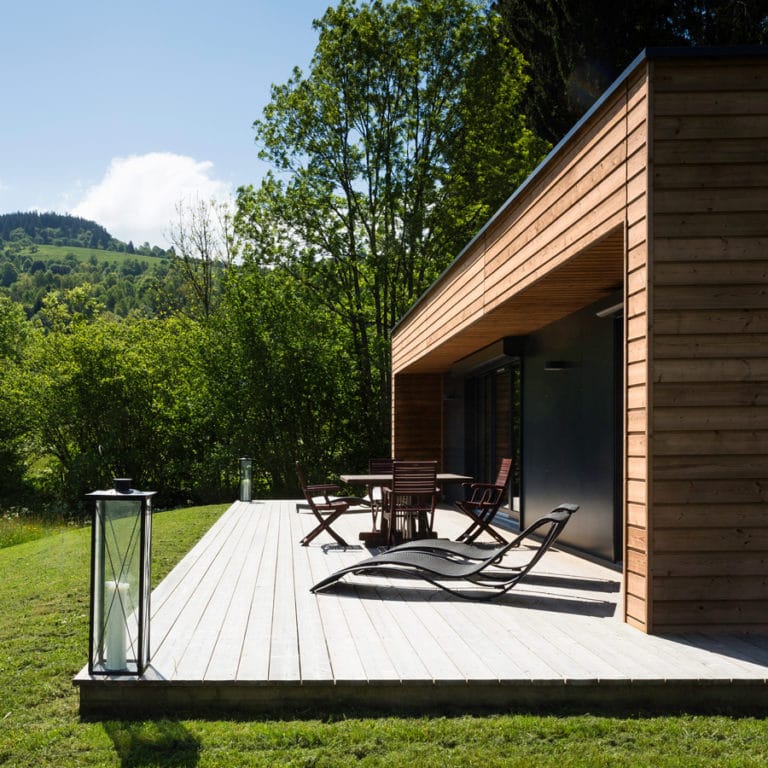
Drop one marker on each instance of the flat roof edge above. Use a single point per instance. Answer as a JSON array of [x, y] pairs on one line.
[[644, 55]]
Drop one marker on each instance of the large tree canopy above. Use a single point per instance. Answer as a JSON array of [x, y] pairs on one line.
[[389, 155], [577, 48]]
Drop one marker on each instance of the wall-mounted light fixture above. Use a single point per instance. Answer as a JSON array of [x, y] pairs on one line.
[[558, 365], [613, 311]]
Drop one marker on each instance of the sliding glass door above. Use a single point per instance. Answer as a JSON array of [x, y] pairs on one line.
[[493, 424]]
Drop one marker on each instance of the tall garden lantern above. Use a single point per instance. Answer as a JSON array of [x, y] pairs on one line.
[[121, 554], [246, 478]]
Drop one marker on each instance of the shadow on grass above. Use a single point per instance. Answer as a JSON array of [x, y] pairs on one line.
[[161, 742]]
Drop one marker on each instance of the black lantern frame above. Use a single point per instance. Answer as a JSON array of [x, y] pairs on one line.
[[121, 558]]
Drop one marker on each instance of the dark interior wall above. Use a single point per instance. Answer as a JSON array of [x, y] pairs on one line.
[[569, 429]]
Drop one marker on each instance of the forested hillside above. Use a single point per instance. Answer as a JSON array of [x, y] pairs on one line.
[[35, 228], [42, 254]]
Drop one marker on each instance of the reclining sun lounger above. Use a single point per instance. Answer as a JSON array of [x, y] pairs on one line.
[[436, 561]]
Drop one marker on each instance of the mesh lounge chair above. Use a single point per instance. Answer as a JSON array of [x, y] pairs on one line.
[[483, 504], [449, 548], [324, 506], [437, 567]]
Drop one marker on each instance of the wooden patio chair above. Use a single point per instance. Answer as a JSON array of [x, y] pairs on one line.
[[376, 492], [324, 506], [409, 505], [437, 568], [483, 504]]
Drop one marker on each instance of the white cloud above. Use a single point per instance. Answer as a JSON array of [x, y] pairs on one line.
[[137, 198]]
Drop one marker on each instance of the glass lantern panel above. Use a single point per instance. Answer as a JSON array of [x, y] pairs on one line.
[[147, 586], [246, 479], [121, 549]]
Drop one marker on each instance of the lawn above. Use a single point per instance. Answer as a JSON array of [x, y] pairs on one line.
[[44, 640]]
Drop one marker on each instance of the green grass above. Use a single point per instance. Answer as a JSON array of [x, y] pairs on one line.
[[59, 252], [43, 644], [19, 528]]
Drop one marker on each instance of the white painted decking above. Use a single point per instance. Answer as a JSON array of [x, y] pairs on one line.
[[235, 628]]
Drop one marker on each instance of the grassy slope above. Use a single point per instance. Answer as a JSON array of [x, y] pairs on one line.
[[59, 252], [43, 644]]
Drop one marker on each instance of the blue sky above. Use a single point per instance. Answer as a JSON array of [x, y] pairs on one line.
[[118, 111]]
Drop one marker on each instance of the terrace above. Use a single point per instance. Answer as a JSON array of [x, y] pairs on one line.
[[235, 630]]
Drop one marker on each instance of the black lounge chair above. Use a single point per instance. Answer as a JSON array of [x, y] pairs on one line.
[[437, 564], [450, 548]]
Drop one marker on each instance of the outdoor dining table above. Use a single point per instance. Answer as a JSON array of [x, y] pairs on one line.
[[379, 537], [384, 478]]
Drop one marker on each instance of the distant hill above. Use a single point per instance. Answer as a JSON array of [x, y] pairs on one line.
[[34, 228]]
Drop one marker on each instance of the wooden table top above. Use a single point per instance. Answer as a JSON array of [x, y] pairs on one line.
[[386, 477]]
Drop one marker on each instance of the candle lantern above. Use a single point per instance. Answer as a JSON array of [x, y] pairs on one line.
[[121, 553], [246, 479]]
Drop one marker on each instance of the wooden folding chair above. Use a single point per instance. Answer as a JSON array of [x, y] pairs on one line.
[[483, 504], [324, 506], [409, 505], [376, 492]]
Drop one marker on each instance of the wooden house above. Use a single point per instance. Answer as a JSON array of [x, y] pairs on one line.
[[609, 328]]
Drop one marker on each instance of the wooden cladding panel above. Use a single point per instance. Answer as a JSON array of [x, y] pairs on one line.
[[558, 247], [712, 322], [589, 158], [727, 393], [542, 235], [709, 406], [711, 81], [637, 607], [417, 424], [723, 615], [590, 276]]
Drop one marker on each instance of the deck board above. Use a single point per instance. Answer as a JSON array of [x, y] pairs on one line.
[[235, 627], [255, 652]]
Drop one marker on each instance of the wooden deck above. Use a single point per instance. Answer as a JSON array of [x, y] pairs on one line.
[[235, 629]]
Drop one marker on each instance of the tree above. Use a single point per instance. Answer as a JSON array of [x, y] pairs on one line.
[[386, 164], [106, 397], [577, 48], [14, 339], [8, 274], [278, 368], [203, 246]]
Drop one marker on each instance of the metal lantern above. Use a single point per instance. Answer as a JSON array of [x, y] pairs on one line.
[[121, 554], [246, 478]]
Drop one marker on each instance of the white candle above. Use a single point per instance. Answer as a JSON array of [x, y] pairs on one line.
[[117, 605]]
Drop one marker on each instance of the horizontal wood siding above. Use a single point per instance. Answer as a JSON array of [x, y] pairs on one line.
[[637, 556], [662, 190], [557, 247], [709, 506], [575, 234], [417, 419]]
